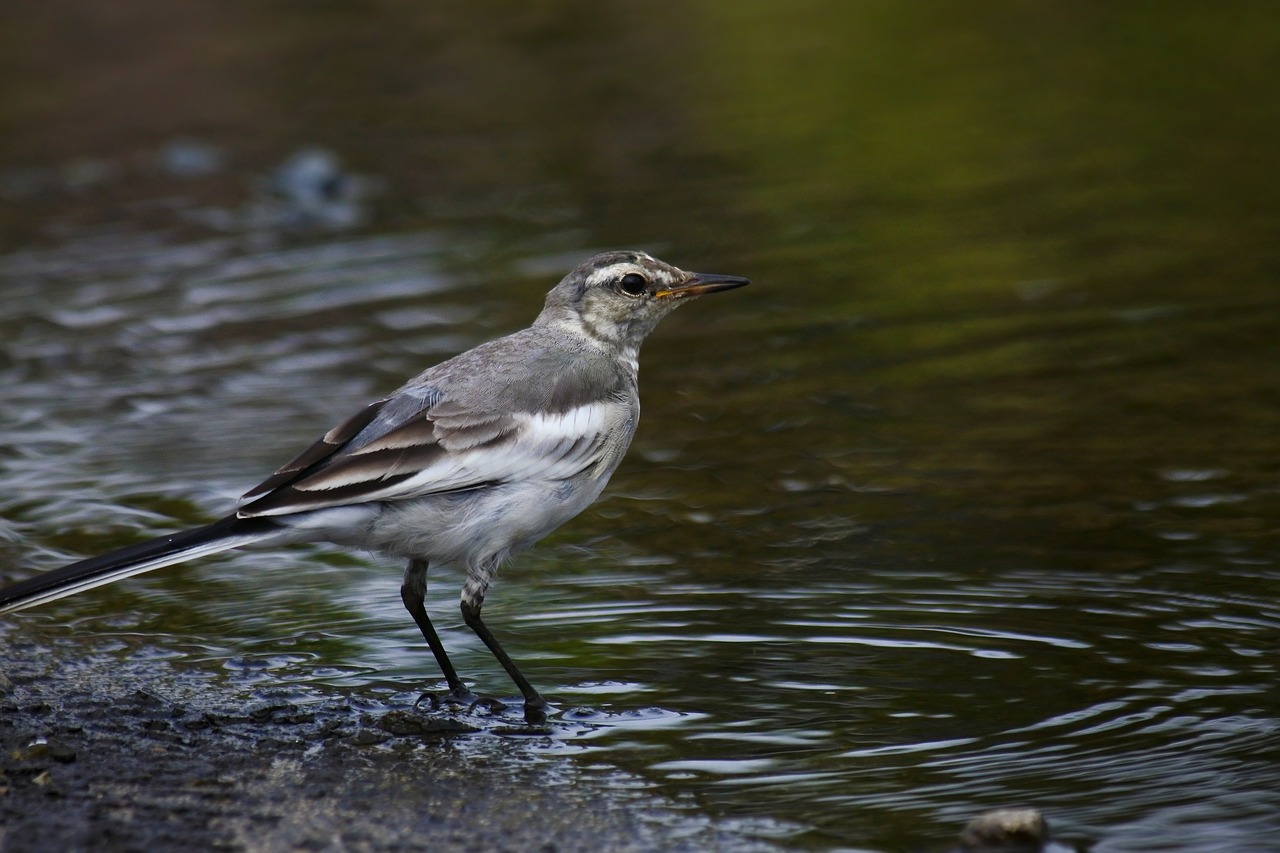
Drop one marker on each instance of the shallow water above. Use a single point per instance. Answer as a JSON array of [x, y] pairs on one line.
[[968, 501]]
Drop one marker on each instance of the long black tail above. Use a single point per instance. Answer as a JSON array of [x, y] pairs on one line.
[[230, 532]]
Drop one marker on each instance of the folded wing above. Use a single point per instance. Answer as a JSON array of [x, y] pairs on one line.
[[421, 443]]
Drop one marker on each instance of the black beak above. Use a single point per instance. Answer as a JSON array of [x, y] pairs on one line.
[[700, 283]]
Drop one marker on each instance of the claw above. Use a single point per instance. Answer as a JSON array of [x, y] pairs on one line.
[[433, 701], [489, 704]]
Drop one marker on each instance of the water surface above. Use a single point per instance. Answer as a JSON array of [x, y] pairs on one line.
[[969, 501]]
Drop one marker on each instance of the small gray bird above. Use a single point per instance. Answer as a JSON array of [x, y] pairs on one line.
[[471, 461]]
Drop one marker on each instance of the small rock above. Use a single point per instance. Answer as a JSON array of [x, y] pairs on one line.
[[1006, 831], [311, 177], [44, 749], [188, 159]]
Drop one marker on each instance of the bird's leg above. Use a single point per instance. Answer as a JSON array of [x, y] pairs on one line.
[[534, 705], [413, 592]]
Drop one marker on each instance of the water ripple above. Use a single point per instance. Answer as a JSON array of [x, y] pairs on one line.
[[807, 638]]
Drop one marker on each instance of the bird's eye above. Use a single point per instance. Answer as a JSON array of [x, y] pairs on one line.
[[632, 284]]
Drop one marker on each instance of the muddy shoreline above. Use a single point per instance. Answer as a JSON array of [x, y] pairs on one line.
[[98, 754]]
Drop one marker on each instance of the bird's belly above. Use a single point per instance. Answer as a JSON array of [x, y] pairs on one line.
[[481, 526]]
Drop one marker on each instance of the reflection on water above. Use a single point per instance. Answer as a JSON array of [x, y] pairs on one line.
[[853, 657], [969, 503]]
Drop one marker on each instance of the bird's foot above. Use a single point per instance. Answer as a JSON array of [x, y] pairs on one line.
[[535, 710]]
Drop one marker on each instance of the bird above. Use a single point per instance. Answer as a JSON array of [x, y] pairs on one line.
[[471, 461]]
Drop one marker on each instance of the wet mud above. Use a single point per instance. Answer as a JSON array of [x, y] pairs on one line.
[[99, 754]]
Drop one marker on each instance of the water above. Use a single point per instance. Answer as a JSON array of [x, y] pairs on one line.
[[969, 501]]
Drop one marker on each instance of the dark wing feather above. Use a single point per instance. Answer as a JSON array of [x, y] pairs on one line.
[[317, 453]]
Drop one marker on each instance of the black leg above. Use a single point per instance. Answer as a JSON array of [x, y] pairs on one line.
[[534, 704], [413, 592]]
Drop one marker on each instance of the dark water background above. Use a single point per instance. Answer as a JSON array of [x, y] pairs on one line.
[[969, 501]]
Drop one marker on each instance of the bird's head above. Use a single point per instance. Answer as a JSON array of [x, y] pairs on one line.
[[619, 297]]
